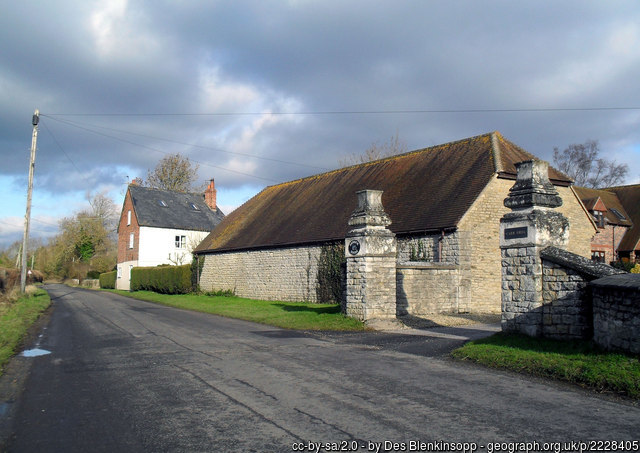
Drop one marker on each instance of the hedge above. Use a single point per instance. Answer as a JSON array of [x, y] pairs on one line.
[[108, 280], [164, 280]]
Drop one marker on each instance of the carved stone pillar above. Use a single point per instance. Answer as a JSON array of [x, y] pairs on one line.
[[531, 226], [370, 250]]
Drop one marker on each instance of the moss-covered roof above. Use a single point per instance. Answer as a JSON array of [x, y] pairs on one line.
[[424, 190]]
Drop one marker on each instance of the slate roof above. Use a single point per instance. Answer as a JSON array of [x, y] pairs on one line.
[[424, 190], [178, 212], [590, 196], [629, 197]]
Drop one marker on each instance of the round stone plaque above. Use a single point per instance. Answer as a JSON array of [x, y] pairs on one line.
[[354, 247]]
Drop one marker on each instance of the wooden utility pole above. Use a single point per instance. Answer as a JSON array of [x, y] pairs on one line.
[[27, 217]]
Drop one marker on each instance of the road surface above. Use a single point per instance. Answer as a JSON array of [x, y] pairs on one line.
[[126, 375]]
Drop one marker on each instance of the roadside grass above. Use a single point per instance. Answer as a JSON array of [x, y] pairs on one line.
[[288, 315], [16, 316], [578, 362]]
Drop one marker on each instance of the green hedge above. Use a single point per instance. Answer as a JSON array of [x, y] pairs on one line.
[[164, 280], [108, 280]]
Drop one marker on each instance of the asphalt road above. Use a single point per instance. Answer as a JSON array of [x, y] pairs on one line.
[[126, 375]]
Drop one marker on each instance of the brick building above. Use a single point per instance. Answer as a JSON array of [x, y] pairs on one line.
[[162, 227], [445, 205], [616, 212]]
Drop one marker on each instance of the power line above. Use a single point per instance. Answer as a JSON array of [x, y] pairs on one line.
[[237, 153], [159, 151], [363, 112]]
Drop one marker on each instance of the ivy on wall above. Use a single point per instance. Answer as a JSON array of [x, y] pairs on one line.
[[331, 273]]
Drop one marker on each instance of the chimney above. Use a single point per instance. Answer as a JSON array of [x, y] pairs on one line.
[[210, 195]]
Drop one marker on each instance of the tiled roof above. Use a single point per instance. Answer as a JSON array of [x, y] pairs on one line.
[[590, 197], [166, 209], [629, 197], [424, 190]]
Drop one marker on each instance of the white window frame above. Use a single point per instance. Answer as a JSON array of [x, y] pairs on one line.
[[131, 238], [129, 217], [180, 241], [119, 271]]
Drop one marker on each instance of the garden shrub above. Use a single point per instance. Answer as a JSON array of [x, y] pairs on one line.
[[164, 280], [108, 280]]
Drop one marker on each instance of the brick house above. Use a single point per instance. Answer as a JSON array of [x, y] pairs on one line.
[[445, 203], [162, 227], [611, 218]]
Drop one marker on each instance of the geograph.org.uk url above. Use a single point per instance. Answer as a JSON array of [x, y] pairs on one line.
[[470, 447]]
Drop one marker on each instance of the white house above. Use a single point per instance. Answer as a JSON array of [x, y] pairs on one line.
[[162, 227]]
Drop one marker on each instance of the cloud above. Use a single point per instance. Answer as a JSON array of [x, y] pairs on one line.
[[141, 77]]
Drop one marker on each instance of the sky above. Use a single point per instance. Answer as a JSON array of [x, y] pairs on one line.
[[261, 92]]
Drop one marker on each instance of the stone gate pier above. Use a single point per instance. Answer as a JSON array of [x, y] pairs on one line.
[[370, 249], [532, 225]]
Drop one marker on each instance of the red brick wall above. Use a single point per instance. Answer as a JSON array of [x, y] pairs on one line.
[[124, 230], [604, 241]]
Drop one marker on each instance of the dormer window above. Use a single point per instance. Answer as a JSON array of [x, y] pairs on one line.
[[618, 214], [599, 218], [162, 203]]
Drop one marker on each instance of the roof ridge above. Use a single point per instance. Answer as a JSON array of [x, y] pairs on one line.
[[622, 187], [396, 156]]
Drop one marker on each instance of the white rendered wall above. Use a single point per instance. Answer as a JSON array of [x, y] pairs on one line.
[[157, 246]]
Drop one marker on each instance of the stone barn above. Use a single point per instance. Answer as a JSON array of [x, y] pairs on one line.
[[444, 202]]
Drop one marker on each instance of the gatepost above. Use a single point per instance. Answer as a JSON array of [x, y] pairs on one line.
[[370, 250], [531, 226]]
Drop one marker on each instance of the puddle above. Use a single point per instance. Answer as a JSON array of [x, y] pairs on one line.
[[35, 352]]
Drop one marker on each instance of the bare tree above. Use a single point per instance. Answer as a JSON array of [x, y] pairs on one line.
[[376, 151], [581, 162], [174, 172]]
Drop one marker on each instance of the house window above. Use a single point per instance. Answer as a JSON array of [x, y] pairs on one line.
[[128, 217], [599, 218], [181, 242], [131, 240], [597, 255], [162, 203], [119, 271], [194, 207]]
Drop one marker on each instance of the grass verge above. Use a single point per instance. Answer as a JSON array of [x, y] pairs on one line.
[[578, 362], [15, 319], [288, 315]]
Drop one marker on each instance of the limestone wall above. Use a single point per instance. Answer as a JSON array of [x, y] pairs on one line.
[[426, 289], [429, 248], [616, 312], [288, 273], [566, 313]]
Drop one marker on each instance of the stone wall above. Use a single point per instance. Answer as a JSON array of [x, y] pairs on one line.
[[287, 273], [616, 312], [426, 289], [566, 313], [429, 248]]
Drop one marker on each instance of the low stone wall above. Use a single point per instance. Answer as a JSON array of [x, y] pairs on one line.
[[288, 273], [423, 289], [567, 306], [616, 312], [91, 283], [566, 312]]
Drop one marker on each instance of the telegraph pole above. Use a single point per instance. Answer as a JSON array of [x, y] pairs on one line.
[[27, 217]]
